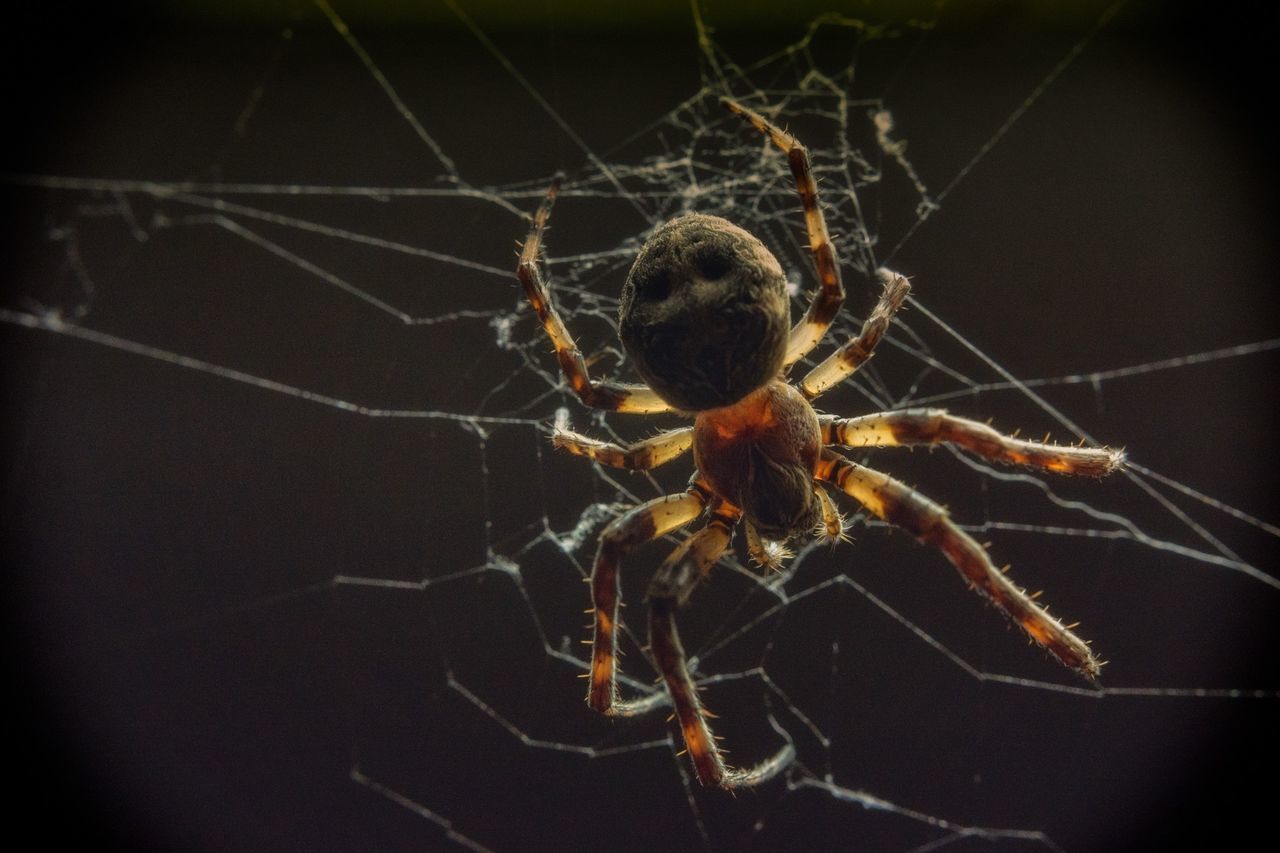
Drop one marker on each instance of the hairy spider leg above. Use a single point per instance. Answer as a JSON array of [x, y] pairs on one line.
[[642, 524], [832, 527], [935, 426], [830, 295], [768, 553], [613, 396], [902, 506], [640, 456], [671, 587], [836, 367]]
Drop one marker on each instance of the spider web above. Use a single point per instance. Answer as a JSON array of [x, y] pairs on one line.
[[301, 570]]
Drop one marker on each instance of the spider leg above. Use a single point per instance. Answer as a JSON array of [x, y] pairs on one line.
[[763, 552], [902, 506], [826, 302], [596, 394], [640, 456], [933, 426], [674, 581], [836, 367], [641, 524], [832, 526]]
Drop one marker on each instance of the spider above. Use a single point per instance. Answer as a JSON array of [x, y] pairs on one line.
[[705, 317]]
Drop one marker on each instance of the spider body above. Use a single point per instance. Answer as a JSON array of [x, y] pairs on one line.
[[760, 454], [705, 318], [705, 313]]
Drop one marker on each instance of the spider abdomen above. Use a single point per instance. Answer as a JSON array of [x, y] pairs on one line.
[[705, 314], [760, 454]]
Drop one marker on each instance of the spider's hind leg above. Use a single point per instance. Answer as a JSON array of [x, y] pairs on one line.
[[641, 524], [671, 587], [902, 506]]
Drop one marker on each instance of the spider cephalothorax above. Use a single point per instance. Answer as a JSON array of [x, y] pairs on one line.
[[705, 319], [705, 313], [760, 455]]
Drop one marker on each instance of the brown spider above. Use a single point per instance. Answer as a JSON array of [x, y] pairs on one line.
[[706, 319]]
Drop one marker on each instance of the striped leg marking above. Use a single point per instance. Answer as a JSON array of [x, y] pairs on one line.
[[838, 366], [933, 426], [672, 585], [614, 396], [894, 502], [826, 302], [642, 524], [641, 456]]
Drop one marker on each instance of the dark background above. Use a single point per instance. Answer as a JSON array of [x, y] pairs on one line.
[[187, 671]]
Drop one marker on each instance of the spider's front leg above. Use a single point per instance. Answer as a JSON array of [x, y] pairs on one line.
[[902, 506], [614, 396], [671, 587]]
